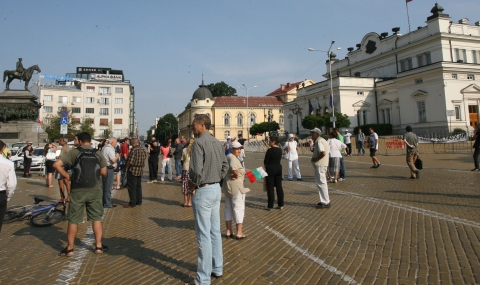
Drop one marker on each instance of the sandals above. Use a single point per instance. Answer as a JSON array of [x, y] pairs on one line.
[[66, 252], [102, 249], [242, 237]]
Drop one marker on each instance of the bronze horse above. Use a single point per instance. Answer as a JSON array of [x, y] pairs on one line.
[[27, 75]]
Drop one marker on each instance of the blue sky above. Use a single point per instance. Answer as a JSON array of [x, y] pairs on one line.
[[164, 46]]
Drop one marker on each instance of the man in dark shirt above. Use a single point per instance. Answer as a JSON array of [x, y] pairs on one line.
[[208, 166], [153, 153], [177, 154], [411, 140], [134, 168]]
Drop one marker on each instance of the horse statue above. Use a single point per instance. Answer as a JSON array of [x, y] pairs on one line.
[[26, 76]]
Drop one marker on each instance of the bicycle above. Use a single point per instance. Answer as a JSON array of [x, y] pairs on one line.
[[40, 215]]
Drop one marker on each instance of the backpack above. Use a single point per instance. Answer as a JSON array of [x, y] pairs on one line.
[[86, 169]]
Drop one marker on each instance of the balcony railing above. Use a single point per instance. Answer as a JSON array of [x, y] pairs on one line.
[[105, 93]]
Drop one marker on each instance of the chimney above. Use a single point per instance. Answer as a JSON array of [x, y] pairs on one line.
[[288, 85], [282, 86]]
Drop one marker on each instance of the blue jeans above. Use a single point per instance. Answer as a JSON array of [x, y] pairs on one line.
[[107, 182], [178, 167], [206, 209], [342, 168], [360, 147]]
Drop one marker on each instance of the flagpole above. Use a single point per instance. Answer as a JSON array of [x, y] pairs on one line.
[[408, 16]]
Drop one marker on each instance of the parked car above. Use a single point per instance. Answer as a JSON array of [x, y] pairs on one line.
[[38, 160], [18, 146], [16, 158]]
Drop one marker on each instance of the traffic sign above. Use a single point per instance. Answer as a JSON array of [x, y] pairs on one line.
[[450, 113], [64, 113], [333, 119], [63, 121], [63, 129]]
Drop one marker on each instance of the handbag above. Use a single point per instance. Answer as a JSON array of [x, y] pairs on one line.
[[418, 163], [51, 156]]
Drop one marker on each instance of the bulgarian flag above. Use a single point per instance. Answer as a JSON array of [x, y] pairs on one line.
[[256, 174]]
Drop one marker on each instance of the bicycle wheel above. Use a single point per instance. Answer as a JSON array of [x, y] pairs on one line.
[[48, 218], [10, 216]]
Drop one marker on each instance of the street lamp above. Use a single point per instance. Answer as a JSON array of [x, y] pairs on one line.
[[248, 118], [297, 110], [329, 53], [170, 130]]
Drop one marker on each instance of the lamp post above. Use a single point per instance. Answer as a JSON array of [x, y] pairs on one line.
[[269, 117], [248, 118], [296, 110], [170, 130], [329, 53]]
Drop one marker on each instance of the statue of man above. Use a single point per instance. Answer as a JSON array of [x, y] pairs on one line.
[[20, 70]]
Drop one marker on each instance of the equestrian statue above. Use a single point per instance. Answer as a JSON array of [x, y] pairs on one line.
[[20, 73]]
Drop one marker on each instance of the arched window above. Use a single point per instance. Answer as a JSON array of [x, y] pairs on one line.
[[280, 120], [227, 134], [253, 119], [226, 120], [239, 120], [240, 133]]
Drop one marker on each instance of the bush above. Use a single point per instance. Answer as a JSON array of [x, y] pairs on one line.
[[459, 131], [380, 129]]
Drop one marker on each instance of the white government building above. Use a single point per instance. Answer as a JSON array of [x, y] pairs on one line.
[[98, 95], [410, 79]]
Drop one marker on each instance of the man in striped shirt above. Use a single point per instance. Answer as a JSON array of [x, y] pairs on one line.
[[134, 168]]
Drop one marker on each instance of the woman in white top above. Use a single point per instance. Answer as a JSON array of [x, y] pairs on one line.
[[187, 195], [335, 154], [292, 158]]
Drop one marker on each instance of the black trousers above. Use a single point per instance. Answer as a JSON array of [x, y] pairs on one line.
[[475, 157], [274, 179], [26, 165], [349, 148], [134, 186], [152, 170], [3, 207]]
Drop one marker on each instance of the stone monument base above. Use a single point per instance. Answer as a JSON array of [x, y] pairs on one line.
[[22, 131]]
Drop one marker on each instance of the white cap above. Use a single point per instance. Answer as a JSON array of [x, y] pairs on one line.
[[236, 145], [290, 136], [228, 137], [316, 130]]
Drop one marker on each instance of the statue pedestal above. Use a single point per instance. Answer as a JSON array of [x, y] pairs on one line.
[[18, 118]]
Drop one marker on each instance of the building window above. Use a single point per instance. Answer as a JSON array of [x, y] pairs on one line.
[[90, 100], [89, 121], [471, 77], [104, 101], [387, 116], [419, 81], [118, 100], [76, 110], [90, 110], [253, 119], [360, 93], [474, 56], [118, 111], [77, 100], [281, 120], [454, 76], [76, 120], [383, 116], [460, 55], [48, 98], [117, 132], [364, 117], [118, 89], [62, 99], [47, 109], [226, 120], [104, 90], [239, 120], [359, 123], [458, 116], [281, 111], [406, 64], [240, 133], [424, 59], [91, 89], [227, 134], [422, 116], [103, 122], [103, 111], [117, 121], [59, 109]]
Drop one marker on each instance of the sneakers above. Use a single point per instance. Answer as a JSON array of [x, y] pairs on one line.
[[150, 181], [155, 180], [332, 181], [299, 179], [323, 205], [378, 165], [341, 179], [267, 209], [279, 208], [161, 179], [475, 169]]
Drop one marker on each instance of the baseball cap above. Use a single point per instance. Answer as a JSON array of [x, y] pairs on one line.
[[236, 145], [290, 136], [316, 130]]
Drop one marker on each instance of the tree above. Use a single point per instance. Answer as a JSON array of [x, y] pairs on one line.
[[311, 122], [107, 133], [342, 120], [167, 127], [221, 89], [53, 128], [264, 127], [86, 126]]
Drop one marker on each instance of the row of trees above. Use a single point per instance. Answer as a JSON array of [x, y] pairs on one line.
[[310, 121]]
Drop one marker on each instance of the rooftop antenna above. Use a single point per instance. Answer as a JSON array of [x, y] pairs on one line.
[[408, 16], [202, 78]]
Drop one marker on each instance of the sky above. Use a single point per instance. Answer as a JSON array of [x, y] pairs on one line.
[[164, 47]]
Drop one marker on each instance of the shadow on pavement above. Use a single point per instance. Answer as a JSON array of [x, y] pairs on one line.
[[468, 196], [133, 248], [51, 236], [163, 201], [181, 224]]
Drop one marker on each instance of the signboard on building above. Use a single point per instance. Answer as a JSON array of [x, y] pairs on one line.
[[87, 70], [63, 129], [450, 113], [106, 77]]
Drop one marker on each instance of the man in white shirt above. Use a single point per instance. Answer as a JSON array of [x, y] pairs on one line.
[[292, 157], [348, 142], [373, 140], [109, 152], [8, 182]]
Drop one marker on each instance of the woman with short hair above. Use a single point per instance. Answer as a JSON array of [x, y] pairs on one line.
[[187, 195], [49, 152], [273, 167]]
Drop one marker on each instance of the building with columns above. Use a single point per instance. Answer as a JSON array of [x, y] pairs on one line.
[[428, 78]]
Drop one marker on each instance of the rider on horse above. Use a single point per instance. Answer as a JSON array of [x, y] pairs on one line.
[[20, 70]]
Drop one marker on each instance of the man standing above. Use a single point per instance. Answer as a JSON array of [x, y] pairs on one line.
[[292, 158], [134, 168], [227, 146], [109, 152], [63, 183], [25, 159], [476, 146], [411, 140], [84, 195], [124, 151], [360, 142], [373, 141], [342, 162], [177, 154], [8, 182], [348, 142], [153, 153], [320, 156], [208, 166]]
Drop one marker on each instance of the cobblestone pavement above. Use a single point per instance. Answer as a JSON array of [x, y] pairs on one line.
[[382, 228]]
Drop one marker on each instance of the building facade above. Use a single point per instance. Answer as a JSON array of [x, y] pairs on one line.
[[98, 95], [428, 78]]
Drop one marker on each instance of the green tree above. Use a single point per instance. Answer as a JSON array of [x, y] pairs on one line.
[[107, 133], [86, 126], [167, 127], [53, 128], [311, 122], [264, 127], [342, 120], [221, 89]]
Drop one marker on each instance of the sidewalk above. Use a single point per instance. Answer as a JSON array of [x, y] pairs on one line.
[[382, 228]]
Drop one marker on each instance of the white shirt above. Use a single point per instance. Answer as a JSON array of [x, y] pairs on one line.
[[292, 154], [346, 138], [335, 147], [8, 179]]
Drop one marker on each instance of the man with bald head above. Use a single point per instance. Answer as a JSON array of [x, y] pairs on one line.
[[107, 181]]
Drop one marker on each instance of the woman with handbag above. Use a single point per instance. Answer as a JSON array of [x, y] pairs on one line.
[[49, 151]]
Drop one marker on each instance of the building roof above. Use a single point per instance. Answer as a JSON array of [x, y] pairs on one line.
[[240, 101], [285, 88], [202, 93]]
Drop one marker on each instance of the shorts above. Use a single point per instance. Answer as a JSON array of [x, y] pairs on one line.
[[91, 200], [49, 166], [58, 176], [372, 152]]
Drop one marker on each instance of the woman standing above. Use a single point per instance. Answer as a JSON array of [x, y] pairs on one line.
[[49, 152], [335, 156], [27, 160], [187, 195], [234, 193], [153, 153], [273, 168], [165, 151]]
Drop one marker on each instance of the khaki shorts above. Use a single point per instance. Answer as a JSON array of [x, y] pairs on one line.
[[90, 200]]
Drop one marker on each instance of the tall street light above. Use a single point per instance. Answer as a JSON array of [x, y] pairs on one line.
[[296, 110], [170, 131], [248, 118], [329, 53]]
